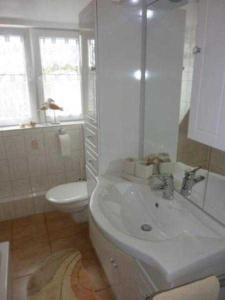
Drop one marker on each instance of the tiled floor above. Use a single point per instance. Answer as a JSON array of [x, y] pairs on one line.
[[35, 237]]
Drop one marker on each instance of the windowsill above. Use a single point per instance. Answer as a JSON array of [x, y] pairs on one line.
[[38, 126]]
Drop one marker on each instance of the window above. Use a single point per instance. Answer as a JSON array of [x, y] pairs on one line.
[[61, 74], [54, 72], [14, 97]]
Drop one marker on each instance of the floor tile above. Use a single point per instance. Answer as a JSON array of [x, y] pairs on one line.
[[106, 294], [61, 225], [90, 257], [96, 274], [35, 237], [79, 241], [20, 288], [82, 285], [29, 231], [5, 231], [26, 260]]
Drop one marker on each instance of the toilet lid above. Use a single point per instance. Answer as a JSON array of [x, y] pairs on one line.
[[69, 192]]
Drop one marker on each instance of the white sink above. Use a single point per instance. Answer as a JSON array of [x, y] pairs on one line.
[[181, 243]]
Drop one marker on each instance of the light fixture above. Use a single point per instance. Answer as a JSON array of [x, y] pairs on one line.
[[150, 13], [137, 74]]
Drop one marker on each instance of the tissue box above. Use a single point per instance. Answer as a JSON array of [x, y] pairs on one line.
[[142, 170], [129, 166]]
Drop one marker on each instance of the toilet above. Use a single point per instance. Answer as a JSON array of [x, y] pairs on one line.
[[72, 198]]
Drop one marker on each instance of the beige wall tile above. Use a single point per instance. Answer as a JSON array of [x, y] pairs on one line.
[[5, 190], [34, 141], [2, 148], [31, 163], [55, 163], [51, 140], [73, 176], [72, 163], [37, 164], [14, 146], [21, 187], [39, 184], [56, 179], [18, 168], [4, 170]]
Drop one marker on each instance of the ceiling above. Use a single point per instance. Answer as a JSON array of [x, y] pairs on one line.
[[58, 11]]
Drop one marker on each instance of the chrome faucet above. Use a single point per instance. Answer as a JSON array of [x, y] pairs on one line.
[[166, 185], [190, 179]]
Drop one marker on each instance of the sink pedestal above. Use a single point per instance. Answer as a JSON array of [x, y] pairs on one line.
[[127, 278]]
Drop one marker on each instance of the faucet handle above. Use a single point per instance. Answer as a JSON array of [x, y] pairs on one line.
[[168, 182], [196, 169], [192, 172], [167, 179], [189, 180], [166, 185]]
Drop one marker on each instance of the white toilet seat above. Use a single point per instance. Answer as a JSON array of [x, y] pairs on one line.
[[74, 192], [71, 198]]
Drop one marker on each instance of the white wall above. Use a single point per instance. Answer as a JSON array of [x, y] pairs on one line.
[[165, 42], [82, 4], [60, 11], [119, 54]]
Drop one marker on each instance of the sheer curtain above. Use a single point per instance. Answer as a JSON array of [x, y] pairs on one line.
[[61, 74], [14, 91]]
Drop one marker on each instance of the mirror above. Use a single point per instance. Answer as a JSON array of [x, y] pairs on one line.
[[171, 30], [170, 60]]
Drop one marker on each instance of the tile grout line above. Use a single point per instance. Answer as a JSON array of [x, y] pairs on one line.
[[25, 276], [11, 233], [12, 255], [12, 236], [102, 289], [48, 234]]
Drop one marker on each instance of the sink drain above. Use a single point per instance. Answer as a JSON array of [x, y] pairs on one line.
[[146, 227]]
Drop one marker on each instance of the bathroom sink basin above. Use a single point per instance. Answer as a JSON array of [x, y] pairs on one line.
[[174, 238], [153, 220]]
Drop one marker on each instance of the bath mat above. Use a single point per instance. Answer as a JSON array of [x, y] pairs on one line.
[[61, 277]]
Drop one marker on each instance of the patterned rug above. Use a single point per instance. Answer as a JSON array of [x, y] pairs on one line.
[[61, 277]]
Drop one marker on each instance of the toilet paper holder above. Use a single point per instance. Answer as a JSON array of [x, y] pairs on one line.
[[64, 143]]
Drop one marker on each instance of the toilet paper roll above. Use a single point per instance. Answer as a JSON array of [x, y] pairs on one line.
[[65, 144]]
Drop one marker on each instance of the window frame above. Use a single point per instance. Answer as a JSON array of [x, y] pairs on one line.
[[29, 68], [34, 68], [59, 33]]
